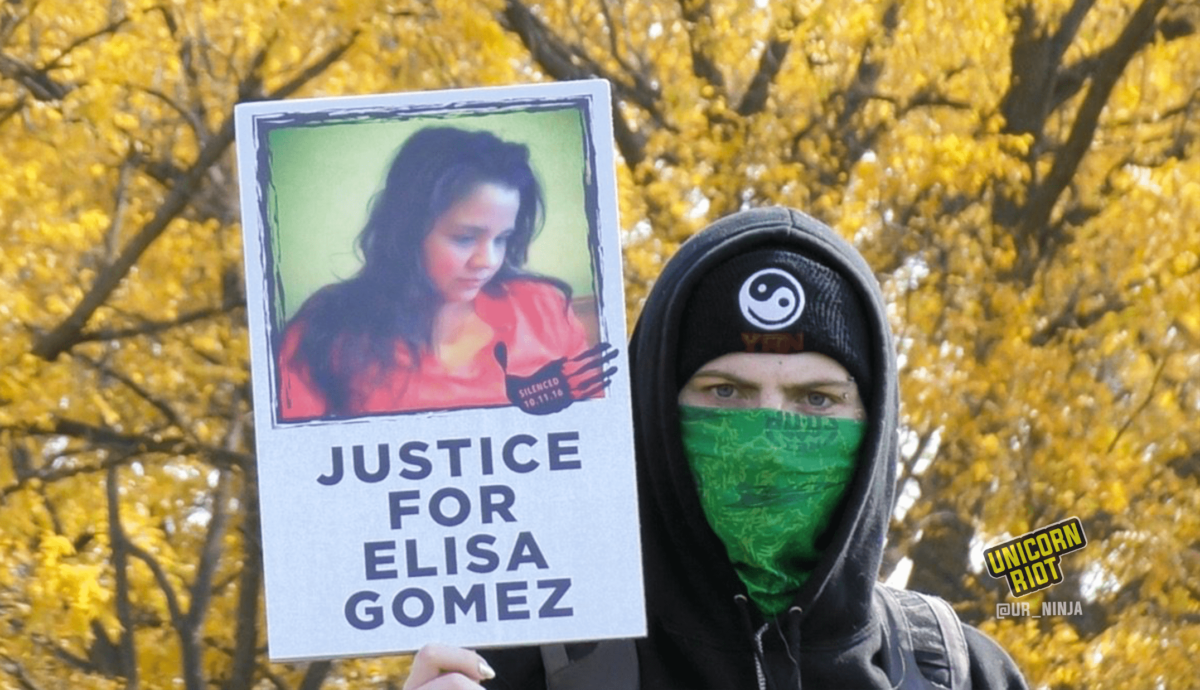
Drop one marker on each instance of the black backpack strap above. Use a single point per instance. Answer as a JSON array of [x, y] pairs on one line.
[[928, 632], [953, 639], [607, 665]]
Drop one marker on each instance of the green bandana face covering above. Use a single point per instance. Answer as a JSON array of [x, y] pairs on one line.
[[769, 482]]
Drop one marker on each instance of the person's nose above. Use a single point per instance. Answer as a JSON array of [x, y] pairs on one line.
[[772, 399], [487, 255]]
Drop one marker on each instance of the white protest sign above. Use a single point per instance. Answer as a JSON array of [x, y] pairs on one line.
[[438, 340]]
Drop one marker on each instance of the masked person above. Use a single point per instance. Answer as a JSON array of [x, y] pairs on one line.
[[765, 408]]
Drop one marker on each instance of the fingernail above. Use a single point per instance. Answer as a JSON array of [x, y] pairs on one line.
[[485, 670]]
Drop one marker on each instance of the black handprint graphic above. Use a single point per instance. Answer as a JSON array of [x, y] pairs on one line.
[[561, 382]]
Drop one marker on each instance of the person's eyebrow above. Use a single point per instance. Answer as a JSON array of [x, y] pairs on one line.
[[820, 383], [844, 391], [467, 226], [724, 375]]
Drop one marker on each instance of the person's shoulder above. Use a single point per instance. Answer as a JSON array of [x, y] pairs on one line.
[[533, 286], [301, 322], [293, 331], [535, 293], [326, 307], [991, 666], [325, 298]]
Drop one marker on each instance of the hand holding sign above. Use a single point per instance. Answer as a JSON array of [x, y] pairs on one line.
[[439, 666], [561, 382]]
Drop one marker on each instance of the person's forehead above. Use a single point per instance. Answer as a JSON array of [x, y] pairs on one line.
[[768, 368], [486, 203]]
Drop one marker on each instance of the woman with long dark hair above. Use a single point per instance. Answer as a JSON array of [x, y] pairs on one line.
[[441, 308]]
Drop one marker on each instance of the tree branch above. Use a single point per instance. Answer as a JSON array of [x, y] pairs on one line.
[[16, 107], [908, 465], [1149, 396], [308, 73], [544, 47], [769, 64], [152, 327], [694, 12], [49, 476], [119, 203], [111, 28], [1035, 58], [275, 678], [103, 657], [210, 553], [1112, 64], [14, 668], [164, 583], [852, 99], [127, 650], [195, 120], [201, 590], [565, 63], [65, 335], [1068, 29], [102, 437], [630, 143], [1070, 80], [314, 676], [641, 84], [165, 409], [1068, 319], [37, 82], [241, 668], [11, 20], [866, 74]]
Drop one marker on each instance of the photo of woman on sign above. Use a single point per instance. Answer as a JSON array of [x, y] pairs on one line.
[[442, 313]]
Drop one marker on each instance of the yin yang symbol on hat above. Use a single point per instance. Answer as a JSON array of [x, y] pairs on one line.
[[771, 299]]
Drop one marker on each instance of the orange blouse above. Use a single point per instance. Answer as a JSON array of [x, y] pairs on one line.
[[531, 317]]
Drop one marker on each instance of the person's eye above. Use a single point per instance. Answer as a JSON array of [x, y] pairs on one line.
[[724, 391], [502, 240], [818, 400], [463, 241]]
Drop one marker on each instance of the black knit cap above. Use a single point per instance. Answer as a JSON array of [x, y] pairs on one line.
[[775, 301]]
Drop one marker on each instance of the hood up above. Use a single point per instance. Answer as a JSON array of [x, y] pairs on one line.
[[692, 589]]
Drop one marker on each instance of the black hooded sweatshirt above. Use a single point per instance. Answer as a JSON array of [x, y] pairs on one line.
[[702, 630]]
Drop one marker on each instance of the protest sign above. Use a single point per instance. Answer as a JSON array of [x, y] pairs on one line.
[[441, 403]]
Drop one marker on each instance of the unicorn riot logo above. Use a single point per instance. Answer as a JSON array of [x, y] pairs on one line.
[[771, 299]]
